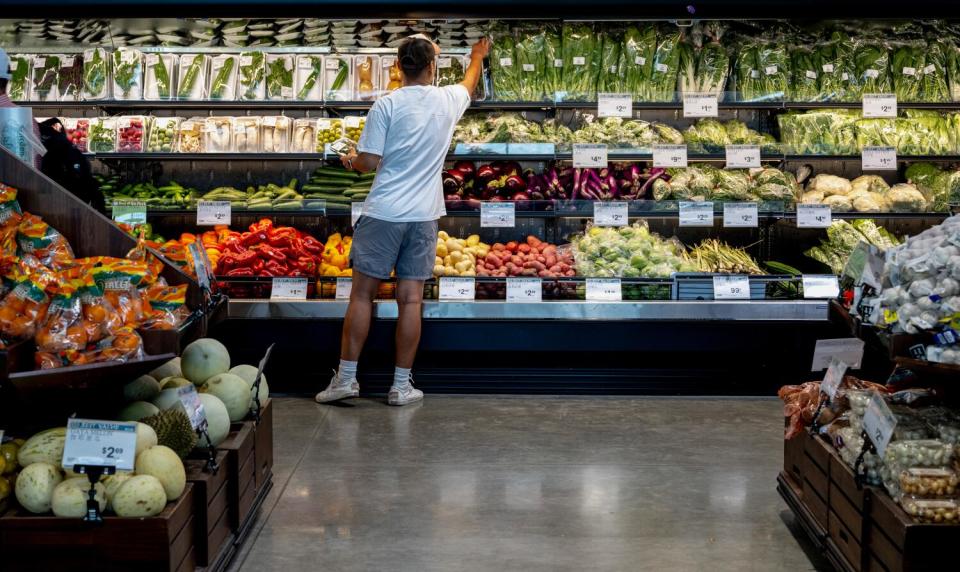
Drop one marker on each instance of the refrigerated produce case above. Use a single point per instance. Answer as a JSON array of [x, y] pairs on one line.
[[663, 333]]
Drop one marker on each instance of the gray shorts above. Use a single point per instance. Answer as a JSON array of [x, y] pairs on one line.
[[379, 247]]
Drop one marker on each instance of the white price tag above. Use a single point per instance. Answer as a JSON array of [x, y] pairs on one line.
[[356, 211], [640, 60], [457, 288], [246, 60], [699, 105], [589, 155], [344, 288], [879, 159], [742, 156], [286, 91], [879, 423], [847, 350], [352, 121], [611, 214], [444, 63], [614, 105], [820, 286], [666, 156], [288, 288], [524, 290], [192, 405], [100, 444], [814, 216], [558, 62], [498, 215], [740, 215], [604, 289], [696, 213], [833, 377], [332, 64], [731, 287], [506, 62], [129, 212], [152, 59], [879, 105], [579, 61], [211, 213]]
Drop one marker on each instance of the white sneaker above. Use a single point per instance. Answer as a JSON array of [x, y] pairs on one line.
[[337, 391], [404, 395]]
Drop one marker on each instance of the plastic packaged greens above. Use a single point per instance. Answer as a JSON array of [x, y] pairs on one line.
[[906, 69], [666, 67], [309, 80], [530, 63], [821, 132], [704, 62], [871, 64], [192, 77], [96, 74], [581, 61], [747, 74], [503, 68], [127, 74], [774, 67], [159, 76], [804, 64], [611, 73], [935, 87], [250, 84], [450, 69], [337, 78], [639, 50], [279, 76], [552, 60], [953, 71], [836, 68], [223, 77], [45, 70], [70, 80], [19, 85]]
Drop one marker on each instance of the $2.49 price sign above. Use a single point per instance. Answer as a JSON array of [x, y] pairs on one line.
[[524, 290], [100, 444], [457, 288], [879, 105]]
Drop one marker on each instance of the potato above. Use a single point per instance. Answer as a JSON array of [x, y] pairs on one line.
[[442, 235], [442, 249], [453, 245], [473, 240], [456, 257]]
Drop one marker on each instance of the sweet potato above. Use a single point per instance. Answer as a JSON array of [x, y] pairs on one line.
[[550, 260], [512, 246], [524, 248], [498, 246]]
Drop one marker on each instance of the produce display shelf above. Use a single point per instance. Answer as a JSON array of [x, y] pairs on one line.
[[858, 158], [708, 310], [209, 156]]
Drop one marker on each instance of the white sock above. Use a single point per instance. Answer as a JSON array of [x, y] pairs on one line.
[[401, 378], [347, 373]]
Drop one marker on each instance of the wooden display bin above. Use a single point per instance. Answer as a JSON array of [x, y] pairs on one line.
[[43, 543], [241, 476], [213, 536], [263, 447], [899, 543], [816, 479], [848, 527]]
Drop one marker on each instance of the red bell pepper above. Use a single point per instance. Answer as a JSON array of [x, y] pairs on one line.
[[240, 272], [312, 245], [268, 252], [257, 266], [263, 225], [234, 245], [276, 268]]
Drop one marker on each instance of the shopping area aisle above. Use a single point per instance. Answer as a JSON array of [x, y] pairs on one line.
[[518, 483]]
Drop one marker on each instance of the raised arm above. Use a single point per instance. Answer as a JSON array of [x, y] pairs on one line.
[[475, 70]]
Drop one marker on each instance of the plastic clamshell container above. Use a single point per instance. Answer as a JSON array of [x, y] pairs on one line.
[[932, 511], [390, 76], [190, 135], [131, 133], [163, 134], [44, 72], [78, 132], [920, 453], [222, 79], [192, 77], [70, 79], [218, 135], [159, 73], [96, 74], [328, 131], [929, 482], [309, 77], [366, 77], [250, 77], [127, 74], [246, 134], [275, 134], [103, 135], [304, 138], [338, 78], [353, 126], [18, 88], [280, 77]]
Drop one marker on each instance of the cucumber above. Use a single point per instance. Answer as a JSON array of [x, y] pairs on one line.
[[781, 268], [322, 189], [335, 172]]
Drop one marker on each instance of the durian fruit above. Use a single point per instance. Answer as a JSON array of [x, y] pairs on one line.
[[173, 430]]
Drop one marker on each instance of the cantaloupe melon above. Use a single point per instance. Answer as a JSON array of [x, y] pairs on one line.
[[35, 484], [139, 496], [144, 388], [232, 391], [204, 359], [248, 373], [218, 419], [70, 497], [137, 410], [162, 463], [169, 369], [45, 446]]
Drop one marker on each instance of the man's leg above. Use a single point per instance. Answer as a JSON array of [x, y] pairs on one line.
[[410, 309]]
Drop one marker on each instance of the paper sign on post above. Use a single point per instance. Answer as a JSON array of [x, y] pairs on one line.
[[129, 212], [742, 156], [589, 155], [740, 215], [193, 406], [614, 105], [344, 288], [814, 216], [524, 290], [820, 286], [879, 159], [100, 444], [604, 289], [498, 215], [833, 377], [288, 288], [666, 156], [731, 288], [699, 105], [210, 213], [696, 213], [848, 350], [879, 423], [457, 288], [879, 105], [611, 214]]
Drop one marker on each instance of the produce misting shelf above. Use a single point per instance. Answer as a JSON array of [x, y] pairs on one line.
[[672, 310]]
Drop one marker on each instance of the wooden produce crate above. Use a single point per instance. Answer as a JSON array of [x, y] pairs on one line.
[[847, 525], [241, 479], [43, 543], [793, 458], [212, 519], [900, 544], [816, 479], [263, 445]]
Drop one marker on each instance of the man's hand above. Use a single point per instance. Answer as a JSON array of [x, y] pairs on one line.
[[348, 159], [480, 49]]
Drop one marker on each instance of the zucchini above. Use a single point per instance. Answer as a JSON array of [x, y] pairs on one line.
[[322, 189]]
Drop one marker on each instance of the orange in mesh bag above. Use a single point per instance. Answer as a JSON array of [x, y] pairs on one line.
[[166, 306], [62, 329], [119, 279], [25, 307], [43, 241], [124, 345], [140, 253]]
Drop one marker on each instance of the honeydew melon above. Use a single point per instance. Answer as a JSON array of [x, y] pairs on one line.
[[218, 419], [164, 464], [144, 388], [137, 410], [204, 359], [139, 496], [35, 485], [232, 391]]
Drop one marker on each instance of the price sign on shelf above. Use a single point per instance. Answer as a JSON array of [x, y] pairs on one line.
[[191, 404], [879, 159], [879, 423], [833, 377], [666, 156], [742, 156], [740, 215], [848, 350], [498, 215], [129, 212], [611, 214], [699, 105], [356, 211], [210, 213], [604, 289], [879, 105], [693, 213], [288, 288], [820, 286], [524, 290], [814, 216], [614, 105], [589, 155], [731, 288], [457, 288], [100, 444], [344, 288]]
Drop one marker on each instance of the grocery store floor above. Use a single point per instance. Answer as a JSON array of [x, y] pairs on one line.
[[527, 483]]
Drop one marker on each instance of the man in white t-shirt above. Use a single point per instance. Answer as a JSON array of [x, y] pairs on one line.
[[405, 140]]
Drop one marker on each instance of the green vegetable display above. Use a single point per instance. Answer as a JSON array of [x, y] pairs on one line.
[[530, 63], [339, 80], [611, 72], [552, 61], [189, 80], [704, 66], [843, 237], [506, 76], [19, 84], [103, 136], [806, 71], [639, 50], [70, 81], [906, 65], [45, 70], [451, 74], [711, 136], [161, 75], [127, 74], [628, 252], [581, 61], [666, 67], [316, 72], [96, 70], [935, 88], [251, 75], [871, 64], [941, 187], [837, 78], [844, 132], [706, 182], [222, 81], [279, 76]]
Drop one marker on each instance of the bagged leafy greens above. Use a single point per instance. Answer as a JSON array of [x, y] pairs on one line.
[[935, 89], [906, 69], [530, 63], [704, 63], [127, 74], [871, 64], [805, 67], [837, 78], [552, 61], [666, 66], [611, 76], [18, 87], [45, 70], [581, 61], [638, 53], [503, 70]]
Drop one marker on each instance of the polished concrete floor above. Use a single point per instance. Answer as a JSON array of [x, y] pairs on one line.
[[527, 483]]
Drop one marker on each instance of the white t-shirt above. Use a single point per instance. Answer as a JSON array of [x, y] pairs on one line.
[[411, 130]]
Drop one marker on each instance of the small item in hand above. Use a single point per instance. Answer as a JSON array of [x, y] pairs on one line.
[[343, 146]]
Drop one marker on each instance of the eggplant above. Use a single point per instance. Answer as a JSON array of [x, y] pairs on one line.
[[452, 198], [452, 182], [514, 183], [486, 173], [466, 168]]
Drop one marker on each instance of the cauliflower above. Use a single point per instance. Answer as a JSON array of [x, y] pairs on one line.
[[830, 185], [868, 202], [838, 203], [870, 184], [812, 197], [906, 198]]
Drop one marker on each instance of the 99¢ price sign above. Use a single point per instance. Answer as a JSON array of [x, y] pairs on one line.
[[97, 443], [731, 288]]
